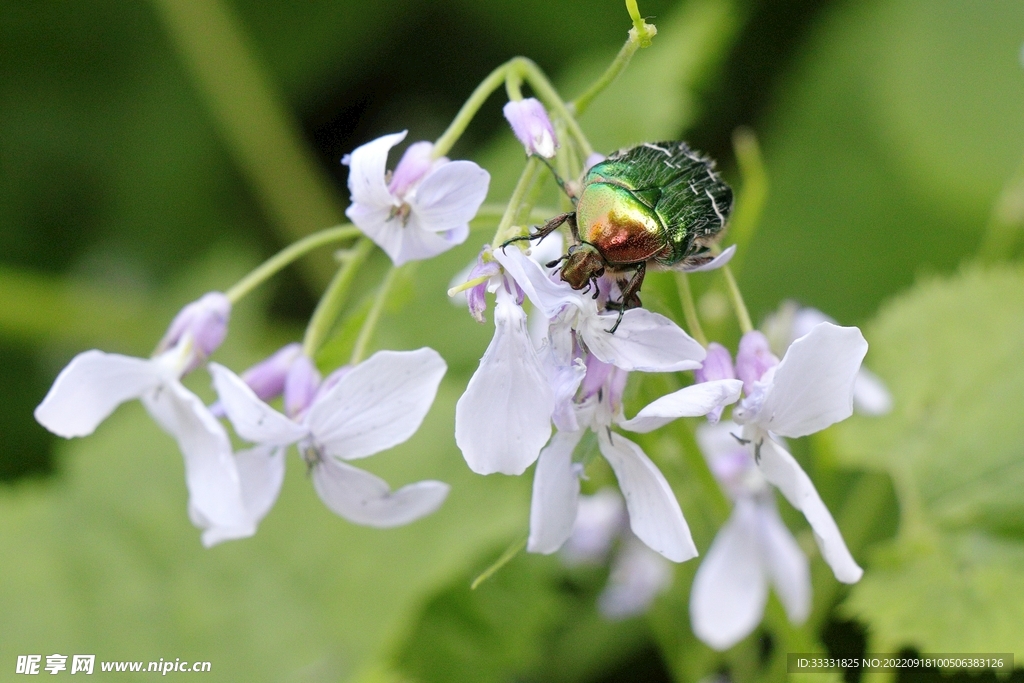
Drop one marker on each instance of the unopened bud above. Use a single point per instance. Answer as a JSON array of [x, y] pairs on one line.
[[300, 386], [205, 321], [532, 126], [266, 378]]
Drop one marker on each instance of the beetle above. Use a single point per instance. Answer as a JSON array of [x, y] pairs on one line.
[[659, 205]]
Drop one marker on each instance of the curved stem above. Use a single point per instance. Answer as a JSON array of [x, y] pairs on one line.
[[476, 100], [526, 179], [373, 316], [690, 309], [753, 193], [334, 298], [737, 301], [286, 256]]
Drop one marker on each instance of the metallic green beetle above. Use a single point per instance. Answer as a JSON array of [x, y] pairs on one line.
[[659, 204]]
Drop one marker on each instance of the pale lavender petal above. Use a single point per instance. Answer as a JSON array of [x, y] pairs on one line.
[[253, 419], [267, 377], [504, 417], [366, 499], [300, 386], [380, 403], [546, 294], [600, 519], [449, 197], [779, 468], [644, 341], [261, 471], [692, 401], [401, 239], [813, 385], [785, 562], [654, 513], [366, 176], [556, 490], [413, 166], [205, 320], [715, 263], [210, 470], [753, 359], [730, 588], [564, 381], [88, 390], [870, 395], [717, 365], [638, 576]]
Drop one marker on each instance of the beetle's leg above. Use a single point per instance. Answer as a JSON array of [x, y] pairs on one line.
[[546, 229], [630, 295], [574, 227], [597, 290]]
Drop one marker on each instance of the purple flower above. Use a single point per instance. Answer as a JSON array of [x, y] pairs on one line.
[[532, 126]]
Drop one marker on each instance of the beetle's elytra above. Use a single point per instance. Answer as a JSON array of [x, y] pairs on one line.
[[659, 204]]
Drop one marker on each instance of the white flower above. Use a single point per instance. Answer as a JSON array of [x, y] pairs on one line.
[[371, 407], [654, 513], [752, 550], [423, 209], [791, 321], [809, 390], [504, 418], [94, 383]]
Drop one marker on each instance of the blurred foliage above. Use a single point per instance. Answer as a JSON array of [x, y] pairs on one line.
[[889, 129]]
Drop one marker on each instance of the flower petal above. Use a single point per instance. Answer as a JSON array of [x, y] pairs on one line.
[[785, 562], [253, 419], [367, 166], [380, 403], [556, 492], [366, 499], [504, 418], [88, 390], [644, 341], [870, 395], [782, 470], [730, 588], [210, 470], [546, 294], [654, 514], [401, 240], [450, 196], [715, 263], [692, 401], [638, 575], [261, 471], [813, 385]]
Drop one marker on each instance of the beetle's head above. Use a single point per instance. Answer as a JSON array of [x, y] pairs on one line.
[[583, 263]]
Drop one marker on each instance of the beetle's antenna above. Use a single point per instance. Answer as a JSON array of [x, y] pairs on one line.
[[558, 178]]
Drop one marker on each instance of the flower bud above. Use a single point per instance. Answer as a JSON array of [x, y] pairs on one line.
[[753, 359], [717, 365], [300, 386], [475, 299], [205, 321], [414, 165], [532, 126], [267, 377]]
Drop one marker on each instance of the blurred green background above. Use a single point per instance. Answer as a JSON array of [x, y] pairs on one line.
[[152, 151]]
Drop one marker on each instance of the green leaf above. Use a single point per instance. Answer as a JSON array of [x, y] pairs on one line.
[[961, 594], [952, 353]]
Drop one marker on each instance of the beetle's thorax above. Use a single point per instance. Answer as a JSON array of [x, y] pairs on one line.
[[582, 264], [619, 225]]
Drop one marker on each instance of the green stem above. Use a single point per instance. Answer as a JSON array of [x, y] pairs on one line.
[[737, 301], [505, 558], [476, 100], [373, 316], [526, 179], [334, 298], [618, 65], [286, 256], [690, 309]]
